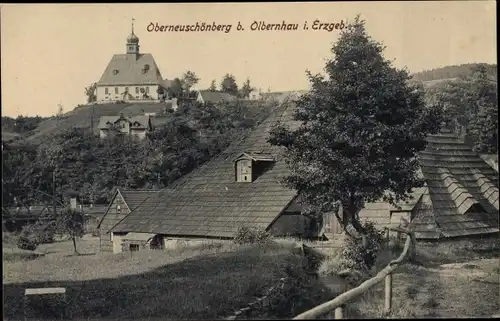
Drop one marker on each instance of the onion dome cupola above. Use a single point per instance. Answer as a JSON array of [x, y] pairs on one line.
[[132, 42]]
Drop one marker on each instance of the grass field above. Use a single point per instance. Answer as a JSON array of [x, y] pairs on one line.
[[207, 281], [190, 282], [452, 279]]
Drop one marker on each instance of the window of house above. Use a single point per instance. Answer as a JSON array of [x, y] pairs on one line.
[[134, 247], [136, 90], [147, 90], [106, 90], [116, 90], [118, 209], [126, 89], [115, 72]]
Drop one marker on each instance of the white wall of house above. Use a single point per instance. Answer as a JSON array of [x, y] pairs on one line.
[[199, 99], [139, 133], [103, 133], [117, 243], [113, 93], [255, 95]]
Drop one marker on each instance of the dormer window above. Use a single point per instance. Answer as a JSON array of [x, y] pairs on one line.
[[115, 72], [145, 69], [249, 166], [118, 209]]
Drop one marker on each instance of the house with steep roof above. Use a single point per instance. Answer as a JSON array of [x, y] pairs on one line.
[[242, 187], [136, 126], [214, 97], [122, 203], [133, 76]]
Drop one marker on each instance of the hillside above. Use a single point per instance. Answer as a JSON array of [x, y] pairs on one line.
[[81, 117], [451, 72]]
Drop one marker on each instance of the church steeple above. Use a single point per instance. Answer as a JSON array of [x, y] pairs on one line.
[[132, 42]]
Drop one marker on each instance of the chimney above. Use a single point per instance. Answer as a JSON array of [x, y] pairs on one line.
[[73, 203]]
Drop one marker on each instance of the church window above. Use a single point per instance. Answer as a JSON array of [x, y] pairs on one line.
[[106, 90], [116, 90]]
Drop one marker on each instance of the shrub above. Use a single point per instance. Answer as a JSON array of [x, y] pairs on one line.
[[34, 234], [300, 292], [353, 257], [246, 235]]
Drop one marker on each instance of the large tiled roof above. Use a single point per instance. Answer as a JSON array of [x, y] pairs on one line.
[[127, 69], [210, 203], [462, 190]]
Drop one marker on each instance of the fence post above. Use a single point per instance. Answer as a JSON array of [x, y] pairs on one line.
[[388, 294], [339, 312]]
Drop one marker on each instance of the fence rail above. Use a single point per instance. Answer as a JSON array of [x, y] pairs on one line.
[[338, 304]]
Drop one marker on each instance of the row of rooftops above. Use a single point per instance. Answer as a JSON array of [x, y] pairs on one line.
[[210, 202]]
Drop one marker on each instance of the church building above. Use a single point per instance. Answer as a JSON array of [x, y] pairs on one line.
[[133, 76]]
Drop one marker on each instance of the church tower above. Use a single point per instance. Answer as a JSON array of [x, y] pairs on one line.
[[133, 42]]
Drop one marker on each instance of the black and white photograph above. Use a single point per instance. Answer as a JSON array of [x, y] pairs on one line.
[[250, 161]]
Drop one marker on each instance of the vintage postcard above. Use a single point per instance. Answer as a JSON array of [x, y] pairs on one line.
[[277, 160]]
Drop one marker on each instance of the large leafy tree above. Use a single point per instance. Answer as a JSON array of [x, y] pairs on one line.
[[91, 93], [175, 89], [213, 86], [360, 130], [246, 89], [483, 127], [228, 85], [190, 79], [471, 103]]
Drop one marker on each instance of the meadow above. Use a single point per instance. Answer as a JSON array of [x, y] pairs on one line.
[[213, 279], [206, 281]]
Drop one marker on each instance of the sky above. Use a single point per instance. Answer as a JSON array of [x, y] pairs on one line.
[[51, 52]]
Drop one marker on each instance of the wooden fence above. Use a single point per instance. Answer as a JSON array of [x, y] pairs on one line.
[[339, 303]]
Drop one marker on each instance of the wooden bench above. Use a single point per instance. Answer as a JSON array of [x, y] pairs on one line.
[[45, 291]]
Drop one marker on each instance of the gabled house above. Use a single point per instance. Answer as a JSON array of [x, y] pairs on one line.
[[214, 97], [136, 126], [123, 202], [242, 187]]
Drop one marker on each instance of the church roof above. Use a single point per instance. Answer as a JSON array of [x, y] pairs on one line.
[[131, 69]]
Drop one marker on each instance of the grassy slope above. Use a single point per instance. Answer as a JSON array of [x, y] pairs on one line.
[[202, 282], [78, 117]]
